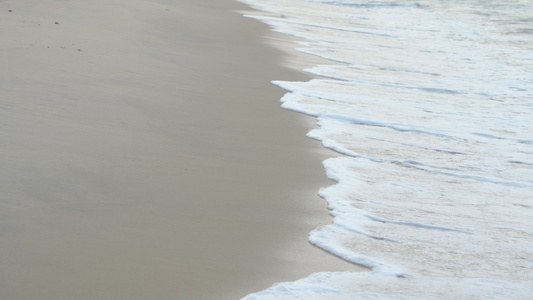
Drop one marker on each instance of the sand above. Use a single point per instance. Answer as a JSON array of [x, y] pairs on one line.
[[145, 156]]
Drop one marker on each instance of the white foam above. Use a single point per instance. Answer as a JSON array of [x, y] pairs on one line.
[[430, 107], [349, 286]]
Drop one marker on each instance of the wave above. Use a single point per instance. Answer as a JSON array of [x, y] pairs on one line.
[[428, 105]]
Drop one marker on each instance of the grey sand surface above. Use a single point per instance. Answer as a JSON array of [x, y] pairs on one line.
[[145, 155]]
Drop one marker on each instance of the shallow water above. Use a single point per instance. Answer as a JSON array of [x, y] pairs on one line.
[[429, 105]]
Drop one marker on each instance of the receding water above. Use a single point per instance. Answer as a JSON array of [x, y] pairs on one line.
[[430, 107]]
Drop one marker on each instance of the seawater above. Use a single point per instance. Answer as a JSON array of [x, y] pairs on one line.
[[429, 105]]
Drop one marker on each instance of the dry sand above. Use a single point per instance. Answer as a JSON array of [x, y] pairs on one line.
[[145, 156]]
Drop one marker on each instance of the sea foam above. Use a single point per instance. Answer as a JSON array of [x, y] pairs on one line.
[[429, 105]]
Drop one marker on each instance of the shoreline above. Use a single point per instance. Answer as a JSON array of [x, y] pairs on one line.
[[126, 178]]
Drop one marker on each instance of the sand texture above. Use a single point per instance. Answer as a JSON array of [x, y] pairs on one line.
[[145, 156]]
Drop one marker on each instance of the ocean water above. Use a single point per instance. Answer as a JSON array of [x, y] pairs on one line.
[[429, 105]]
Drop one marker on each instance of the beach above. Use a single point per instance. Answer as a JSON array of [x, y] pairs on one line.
[[145, 155]]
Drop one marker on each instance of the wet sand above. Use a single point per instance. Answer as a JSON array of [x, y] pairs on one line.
[[145, 156]]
